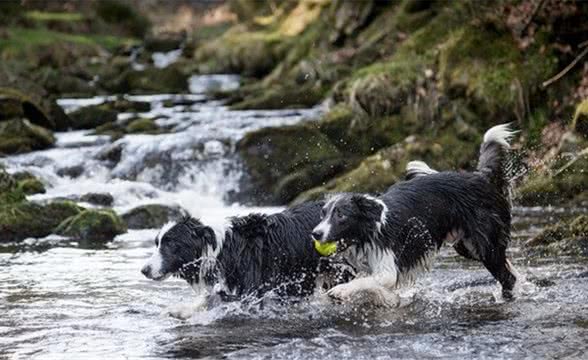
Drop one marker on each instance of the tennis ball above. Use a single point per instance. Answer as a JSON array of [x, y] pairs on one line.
[[325, 249]]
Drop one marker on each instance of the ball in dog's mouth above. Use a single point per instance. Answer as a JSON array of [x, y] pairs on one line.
[[327, 248]]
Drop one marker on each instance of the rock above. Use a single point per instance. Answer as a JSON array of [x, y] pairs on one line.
[[273, 153], [92, 225], [35, 103], [24, 219], [101, 199], [124, 105], [567, 237], [32, 186], [164, 42], [580, 122], [282, 98], [150, 80], [90, 117], [152, 216], [142, 126], [19, 136], [71, 171], [9, 190]]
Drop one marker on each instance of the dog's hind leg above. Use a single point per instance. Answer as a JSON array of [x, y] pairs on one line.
[[502, 270]]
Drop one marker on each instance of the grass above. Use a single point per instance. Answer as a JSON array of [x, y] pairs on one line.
[[20, 39], [53, 16]]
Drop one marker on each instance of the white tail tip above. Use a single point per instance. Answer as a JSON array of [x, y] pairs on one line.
[[500, 134], [419, 168]]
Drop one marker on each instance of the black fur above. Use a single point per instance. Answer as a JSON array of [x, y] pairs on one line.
[[423, 212], [259, 253]]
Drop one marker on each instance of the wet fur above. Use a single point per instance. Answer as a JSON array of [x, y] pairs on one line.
[[469, 210]]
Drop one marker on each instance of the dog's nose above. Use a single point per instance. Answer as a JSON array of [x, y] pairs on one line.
[[317, 235], [146, 270]]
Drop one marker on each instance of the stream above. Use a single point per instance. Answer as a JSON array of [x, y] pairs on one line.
[[60, 298]]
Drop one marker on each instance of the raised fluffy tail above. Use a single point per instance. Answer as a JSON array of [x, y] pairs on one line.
[[418, 168], [493, 154]]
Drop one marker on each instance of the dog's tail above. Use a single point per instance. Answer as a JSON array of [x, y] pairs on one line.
[[493, 154], [418, 168]]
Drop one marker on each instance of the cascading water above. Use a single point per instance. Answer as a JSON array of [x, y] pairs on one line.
[[61, 300]]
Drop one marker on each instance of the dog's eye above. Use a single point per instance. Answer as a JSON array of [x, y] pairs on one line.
[[340, 215]]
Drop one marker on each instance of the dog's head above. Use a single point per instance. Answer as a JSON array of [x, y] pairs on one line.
[[180, 249], [350, 219]]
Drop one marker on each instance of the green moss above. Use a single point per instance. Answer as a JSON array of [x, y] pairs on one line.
[[150, 80], [94, 225], [142, 126], [22, 220], [9, 190], [31, 186], [123, 15], [282, 97], [580, 121], [18, 136], [271, 154], [90, 117], [152, 216], [53, 16], [567, 237]]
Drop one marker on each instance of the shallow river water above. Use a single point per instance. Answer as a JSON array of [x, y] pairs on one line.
[[66, 299]]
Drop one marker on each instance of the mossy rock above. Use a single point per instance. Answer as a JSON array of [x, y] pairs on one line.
[[564, 180], [164, 42], [124, 105], [283, 97], [91, 117], [24, 219], [31, 186], [152, 216], [100, 199], [142, 126], [93, 225], [387, 166], [9, 189], [14, 104], [271, 154], [150, 80], [66, 85], [567, 237], [580, 122], [19, 136]]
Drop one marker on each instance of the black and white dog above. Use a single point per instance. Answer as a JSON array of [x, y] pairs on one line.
[[249, 256], [390, 238]]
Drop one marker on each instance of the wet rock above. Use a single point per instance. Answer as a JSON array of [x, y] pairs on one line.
[[9, 190], [273, 153], [142, 126], [124, 105], [90, 117], [150, 80], [164, 42], [92, 225], [35, 102], [71, 171], [24, 219], [28, 183], [567, 237], [19, 136], [152, 216], [101, 199]]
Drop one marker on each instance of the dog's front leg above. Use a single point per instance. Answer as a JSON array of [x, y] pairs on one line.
[[367, 290], [187, 310]]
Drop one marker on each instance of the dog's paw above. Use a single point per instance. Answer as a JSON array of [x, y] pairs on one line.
[[341, 293], [181, 311]]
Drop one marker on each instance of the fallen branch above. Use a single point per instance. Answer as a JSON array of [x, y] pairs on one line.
[[566, 69], [571, 162]]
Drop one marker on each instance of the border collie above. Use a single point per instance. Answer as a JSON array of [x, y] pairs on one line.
[[390, 238], [250, 256]]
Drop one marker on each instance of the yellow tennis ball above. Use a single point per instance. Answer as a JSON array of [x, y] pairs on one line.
[[325, 249]]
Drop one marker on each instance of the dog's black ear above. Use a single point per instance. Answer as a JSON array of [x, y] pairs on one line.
[[368, 208]]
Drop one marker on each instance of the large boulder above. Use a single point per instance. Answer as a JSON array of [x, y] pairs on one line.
[[22, 220], [20, 135], [91, 117], [272, 154], [149, 80], [92, 225], [566, 237], [152, 216]]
